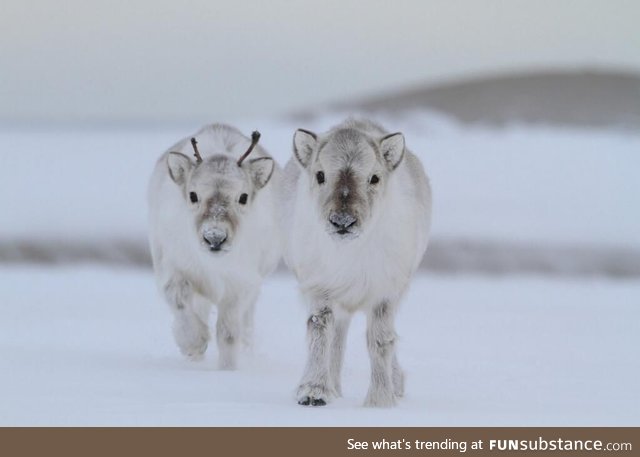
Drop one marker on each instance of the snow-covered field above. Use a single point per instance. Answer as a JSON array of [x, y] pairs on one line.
[[92, 346], [86, 344]]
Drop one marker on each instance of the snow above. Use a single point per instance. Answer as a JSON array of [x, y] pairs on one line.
[[84, 344], [87, 345], [532, 185]]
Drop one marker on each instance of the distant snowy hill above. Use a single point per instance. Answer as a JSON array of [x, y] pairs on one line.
[[588, 98]]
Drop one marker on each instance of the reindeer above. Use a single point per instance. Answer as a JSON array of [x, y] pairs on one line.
[[357, 215], [214, 236]]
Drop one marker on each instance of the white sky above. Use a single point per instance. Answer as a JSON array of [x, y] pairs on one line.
[[210, 60]]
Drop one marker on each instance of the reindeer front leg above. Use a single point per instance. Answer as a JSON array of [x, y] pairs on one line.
[[229, 335], [190, 332], [234, 327], [316, 388], [338, 343], [381, 337], [247, 315]]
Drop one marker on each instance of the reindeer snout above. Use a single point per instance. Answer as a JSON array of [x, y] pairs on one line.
[[214, 237], [342, 221]]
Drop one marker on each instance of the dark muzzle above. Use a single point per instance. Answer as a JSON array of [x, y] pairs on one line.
[[215, 238], [342, 221]]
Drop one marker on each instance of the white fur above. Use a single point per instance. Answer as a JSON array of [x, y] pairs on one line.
[[192, 278], [368, 273]]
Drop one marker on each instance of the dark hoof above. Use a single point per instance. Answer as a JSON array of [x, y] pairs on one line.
[[306, 401]]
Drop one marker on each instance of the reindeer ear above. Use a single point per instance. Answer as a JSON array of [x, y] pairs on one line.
[[392, 149], [304, 143], [261, 170], [179, 165]]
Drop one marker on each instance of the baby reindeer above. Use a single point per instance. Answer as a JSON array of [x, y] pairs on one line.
[[214, 235], [357, 219]]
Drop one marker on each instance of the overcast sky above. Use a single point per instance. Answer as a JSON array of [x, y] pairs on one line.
[[207, 60]]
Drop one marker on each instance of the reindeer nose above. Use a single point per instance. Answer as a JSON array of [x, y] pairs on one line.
[[342, 221], [215, 238]]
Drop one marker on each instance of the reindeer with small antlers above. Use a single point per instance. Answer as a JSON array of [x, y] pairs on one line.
[[214, 235]]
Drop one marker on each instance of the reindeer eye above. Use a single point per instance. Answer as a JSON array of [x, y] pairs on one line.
[[374, 179], [193, 196], [320, 177], [243, 199]]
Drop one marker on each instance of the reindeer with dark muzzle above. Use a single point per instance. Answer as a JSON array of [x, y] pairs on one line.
[[214, 235], [357, 216]]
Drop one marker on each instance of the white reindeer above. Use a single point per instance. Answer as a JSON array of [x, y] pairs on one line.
[[357, 213], [214, 236]]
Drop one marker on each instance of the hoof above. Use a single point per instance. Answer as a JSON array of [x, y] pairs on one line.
[[192, 345], [195, 352], [195, 357], [314, 394], [308, 401], [380, 403], [318, 402], [380, 399]]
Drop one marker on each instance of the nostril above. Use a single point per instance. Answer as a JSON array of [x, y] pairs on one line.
[[342, 220], [215, 244], [213, 240]]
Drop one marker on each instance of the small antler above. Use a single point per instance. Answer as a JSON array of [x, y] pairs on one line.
[[255, 137], [196, 153]]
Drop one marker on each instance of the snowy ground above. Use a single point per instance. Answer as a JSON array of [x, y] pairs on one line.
[[87, 345]]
